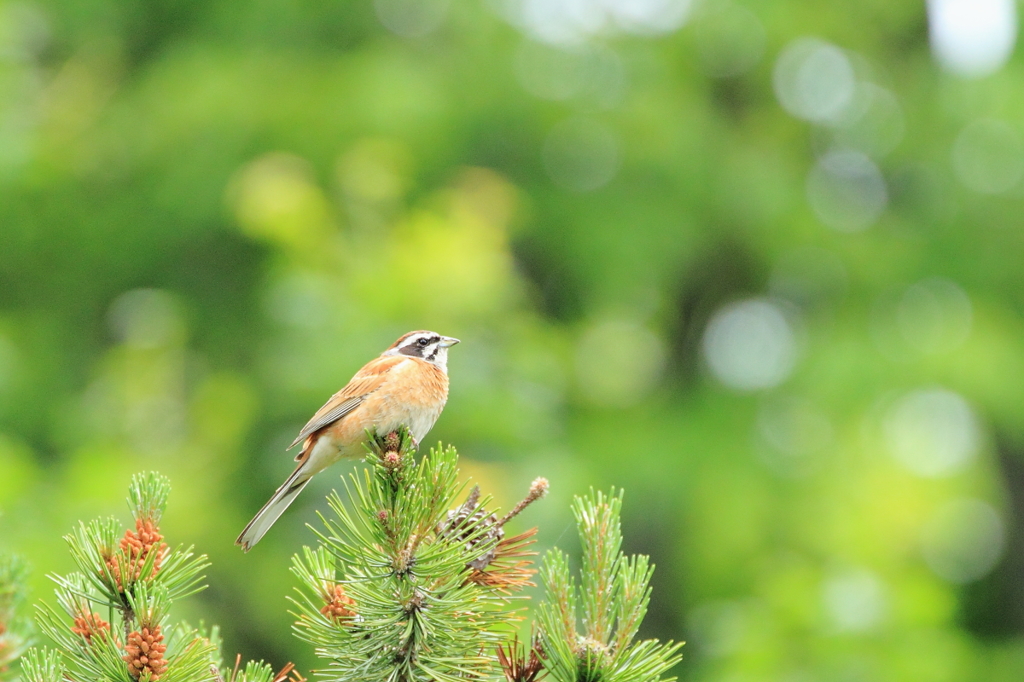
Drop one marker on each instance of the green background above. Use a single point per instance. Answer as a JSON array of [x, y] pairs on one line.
[[212, 213]]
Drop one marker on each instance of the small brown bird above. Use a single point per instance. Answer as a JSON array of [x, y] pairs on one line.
[[406, 386]]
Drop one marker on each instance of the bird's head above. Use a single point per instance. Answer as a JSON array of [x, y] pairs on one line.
[[429, 346]]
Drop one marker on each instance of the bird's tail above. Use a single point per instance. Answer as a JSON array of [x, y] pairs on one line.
[[273, 509]]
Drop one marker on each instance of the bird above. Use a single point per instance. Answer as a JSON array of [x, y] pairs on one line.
[[406, 385]]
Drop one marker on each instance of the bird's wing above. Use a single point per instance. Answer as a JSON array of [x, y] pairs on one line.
[[366, 381]]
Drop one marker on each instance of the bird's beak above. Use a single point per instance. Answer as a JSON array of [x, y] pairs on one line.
[[448, 341]]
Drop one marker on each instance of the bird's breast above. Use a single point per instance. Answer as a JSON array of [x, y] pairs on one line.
[[413, 395]]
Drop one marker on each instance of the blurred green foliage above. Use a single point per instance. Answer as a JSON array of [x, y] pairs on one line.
[[15, 623], [772, 289]]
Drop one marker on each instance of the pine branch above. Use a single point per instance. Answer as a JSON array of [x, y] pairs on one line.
[[113, 623], [601, 538], [614, 592], [407, 585]]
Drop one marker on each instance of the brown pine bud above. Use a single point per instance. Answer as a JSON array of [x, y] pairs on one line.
[[144, 653], [340, 607], [520, 666], [90, 625], [136, 546], [392, 442], [538, 489]]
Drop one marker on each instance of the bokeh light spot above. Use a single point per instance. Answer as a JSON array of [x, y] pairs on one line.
[[581, 154], [275, 198], [932, 432], [874, 123], [963, 541], [550, 72], [648, 17], [374, 170], [750, 345], [449, 262], [411, 18], [814, 80], [972, 37], [24, 31], [147, 318], [559, 73], [847, 191], [855, 600], [988, 157], [573, 22], [618, 362], [557, 22], [719, 627], [796, 431], [299, 300]]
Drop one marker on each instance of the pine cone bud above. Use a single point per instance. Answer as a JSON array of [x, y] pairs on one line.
[[89, 625], [136, 546], [392, 442], [539, 488], [145, 653], [340, 607]]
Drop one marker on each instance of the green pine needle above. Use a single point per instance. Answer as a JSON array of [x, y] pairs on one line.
[[408, 609], [256, 672], [14, 574], [614, 594], [42, 665], [147, 495], [15, 628], [128, 580]]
